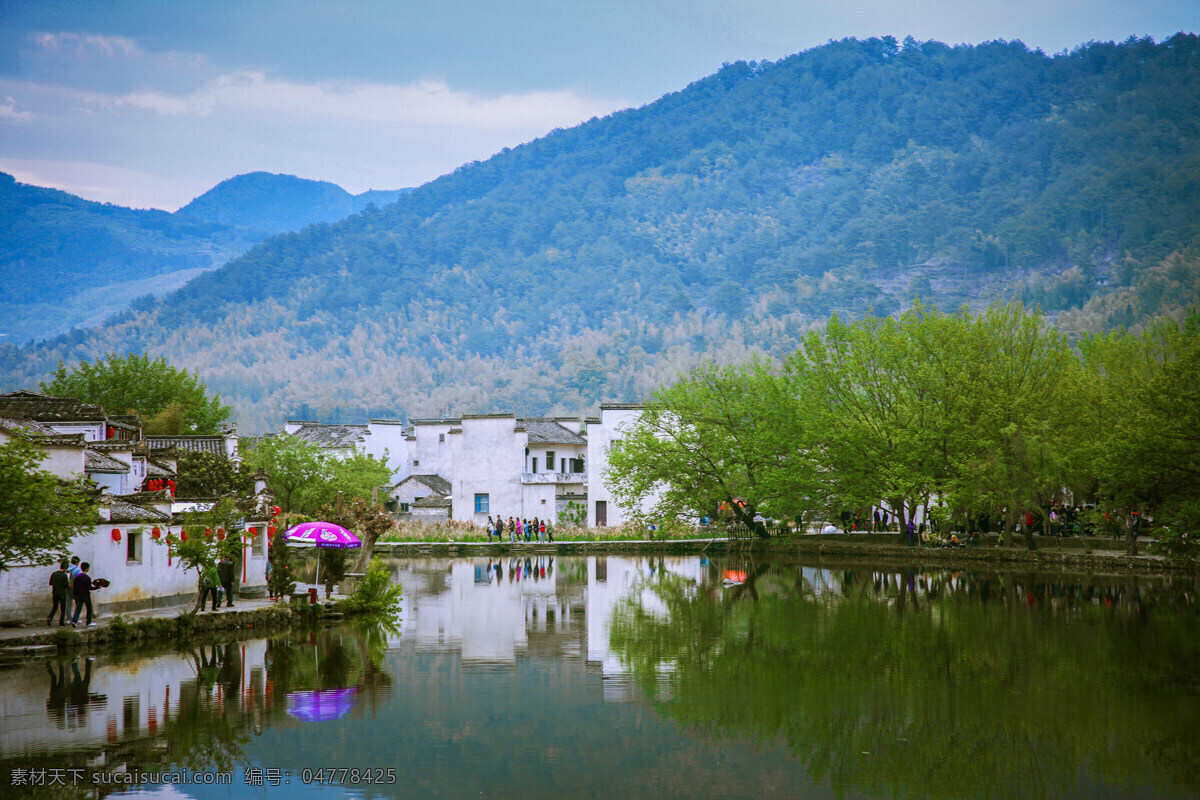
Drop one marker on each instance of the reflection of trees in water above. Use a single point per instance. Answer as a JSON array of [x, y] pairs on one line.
[[213, 715], [947, 683]]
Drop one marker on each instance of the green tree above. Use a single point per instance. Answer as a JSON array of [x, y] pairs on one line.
[[170, 400], [720, 436], [880, 406], [39, 513], [1024, 425], [204, 474], [1145, 423], [211, 535], [304, 477], [296, 471]]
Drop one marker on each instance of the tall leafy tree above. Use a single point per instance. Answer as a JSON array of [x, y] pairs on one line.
[[170, 400], [39, 513], [721, 436], [1145, 415], [295, 470], [1022, 387], [305, 477]]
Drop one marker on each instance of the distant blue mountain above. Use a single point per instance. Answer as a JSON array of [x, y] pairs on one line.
[[277, 203]]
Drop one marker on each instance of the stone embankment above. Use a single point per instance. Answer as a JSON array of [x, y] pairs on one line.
[[1091, 554], [162, 623]]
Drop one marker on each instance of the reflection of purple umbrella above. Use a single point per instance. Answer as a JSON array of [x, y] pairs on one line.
[[322, 705], [321, 534]]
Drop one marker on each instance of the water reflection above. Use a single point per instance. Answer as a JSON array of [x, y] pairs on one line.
[[193, 709], [943, 683], [605, 676]]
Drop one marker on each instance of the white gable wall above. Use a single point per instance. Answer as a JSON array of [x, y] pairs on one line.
[[387, 443], [487, 458]]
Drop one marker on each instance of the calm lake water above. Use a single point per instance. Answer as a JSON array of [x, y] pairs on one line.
[[674, 677]]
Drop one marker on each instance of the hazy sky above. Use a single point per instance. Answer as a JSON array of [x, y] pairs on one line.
[[148, 103]]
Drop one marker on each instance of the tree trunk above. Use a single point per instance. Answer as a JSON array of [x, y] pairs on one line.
[[1130, 537]]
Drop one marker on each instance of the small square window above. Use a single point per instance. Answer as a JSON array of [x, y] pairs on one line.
[[481, 504]]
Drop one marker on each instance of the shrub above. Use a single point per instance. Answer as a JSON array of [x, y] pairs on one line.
[[375, 593]]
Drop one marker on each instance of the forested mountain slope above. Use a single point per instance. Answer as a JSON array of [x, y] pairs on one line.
[[727, 217], [278, 203], [67, 261]]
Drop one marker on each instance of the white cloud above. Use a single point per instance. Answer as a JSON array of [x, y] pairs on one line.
[[152, 147], [82, 46], [8, 111], [423, 103]]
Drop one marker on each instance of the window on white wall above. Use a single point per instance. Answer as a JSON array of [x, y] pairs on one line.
[[133, 547], [482, 504]]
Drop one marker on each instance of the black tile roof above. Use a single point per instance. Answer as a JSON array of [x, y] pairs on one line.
[[550, 432], [332, 436], [432, 501], [99, 462], [123, 511], [196, 444], [435, 482], [46, 408]]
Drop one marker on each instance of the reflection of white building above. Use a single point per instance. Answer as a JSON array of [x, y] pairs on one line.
[[94, 703], [493, 616]]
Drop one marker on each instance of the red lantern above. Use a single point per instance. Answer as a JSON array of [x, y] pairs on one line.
[[182, 535], [208, 533], [171, 486], [275, 510], [157, 533], [253, 531], [116, 534], [220, 534], [270, 531]]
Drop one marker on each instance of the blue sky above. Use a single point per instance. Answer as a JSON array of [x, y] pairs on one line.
[[149, 104]]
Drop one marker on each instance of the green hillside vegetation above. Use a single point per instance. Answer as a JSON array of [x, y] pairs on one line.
[[721, 221], [278, 203]]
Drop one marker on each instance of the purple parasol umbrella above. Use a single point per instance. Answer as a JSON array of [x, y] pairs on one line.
[[321, 705], [321, 534]]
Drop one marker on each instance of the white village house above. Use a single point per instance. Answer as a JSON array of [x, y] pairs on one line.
[[479, 465], [474, 466], [82, 440]]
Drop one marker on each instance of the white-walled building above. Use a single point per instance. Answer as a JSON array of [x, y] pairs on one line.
[[498, 465], [80, 440], [614, 422]]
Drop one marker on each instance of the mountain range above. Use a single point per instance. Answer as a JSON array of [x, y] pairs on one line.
[[70, 262], [718, 222]]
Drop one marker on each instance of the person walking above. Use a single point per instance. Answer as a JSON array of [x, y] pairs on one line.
[[225, 573], [269, 568], [73, 570], [210, 580], [60, 593], [489, 528], [82, 587]]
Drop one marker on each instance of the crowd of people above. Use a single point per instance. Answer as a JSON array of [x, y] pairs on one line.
[[520, 530]]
